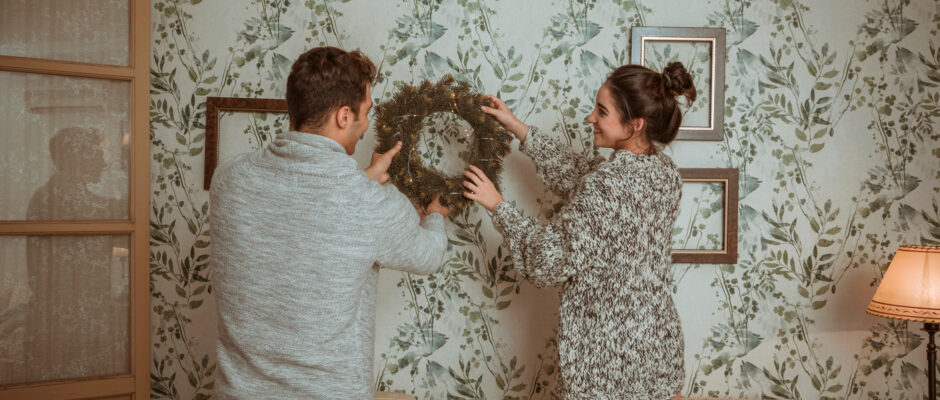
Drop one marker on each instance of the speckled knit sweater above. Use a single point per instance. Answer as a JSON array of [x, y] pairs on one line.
[[619, 335]]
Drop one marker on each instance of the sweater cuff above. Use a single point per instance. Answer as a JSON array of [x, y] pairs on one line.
[[433, 221], [529, 144], [505, 217]]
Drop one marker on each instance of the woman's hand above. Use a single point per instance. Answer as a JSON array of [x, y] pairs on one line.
[[481, 189], [505, 117]]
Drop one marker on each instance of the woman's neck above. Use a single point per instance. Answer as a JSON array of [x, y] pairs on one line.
[[636, 146]]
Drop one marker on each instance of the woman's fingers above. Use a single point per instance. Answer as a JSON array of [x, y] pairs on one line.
[[497, 102], [473, 177], [498, 106], [479, 173]]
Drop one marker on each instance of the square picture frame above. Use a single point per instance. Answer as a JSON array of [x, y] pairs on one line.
[[641, 36], [216, 105], [728, 178]]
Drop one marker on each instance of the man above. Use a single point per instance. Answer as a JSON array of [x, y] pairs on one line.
[[297, 230]]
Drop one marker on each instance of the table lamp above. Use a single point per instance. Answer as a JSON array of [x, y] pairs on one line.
[[910, 290]]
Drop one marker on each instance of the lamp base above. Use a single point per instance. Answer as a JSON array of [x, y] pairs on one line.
[[931, 328]]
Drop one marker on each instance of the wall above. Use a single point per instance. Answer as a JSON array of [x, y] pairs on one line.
[[831, 117]]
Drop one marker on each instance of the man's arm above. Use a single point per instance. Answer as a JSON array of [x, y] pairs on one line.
[[406, 241]]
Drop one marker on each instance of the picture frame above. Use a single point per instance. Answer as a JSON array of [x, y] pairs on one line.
[[728, 254], [642, 36], [216, 105]]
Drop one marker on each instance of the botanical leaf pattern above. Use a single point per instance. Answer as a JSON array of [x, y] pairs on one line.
[[831, 118]]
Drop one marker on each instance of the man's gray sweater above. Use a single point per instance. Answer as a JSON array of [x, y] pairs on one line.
[[297, 233]]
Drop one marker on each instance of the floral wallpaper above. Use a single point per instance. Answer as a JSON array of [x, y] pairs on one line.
[[831, 117]]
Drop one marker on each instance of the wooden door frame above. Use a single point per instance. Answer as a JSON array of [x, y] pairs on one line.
[[135, 385]]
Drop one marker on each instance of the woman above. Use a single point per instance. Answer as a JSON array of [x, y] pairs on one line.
[[619, 335]]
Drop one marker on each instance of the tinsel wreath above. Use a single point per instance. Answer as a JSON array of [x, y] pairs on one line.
[[402, 118]]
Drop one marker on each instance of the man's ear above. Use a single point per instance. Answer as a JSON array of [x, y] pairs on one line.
[[343, 117]]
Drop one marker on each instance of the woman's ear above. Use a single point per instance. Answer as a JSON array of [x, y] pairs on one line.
[[638, 124]]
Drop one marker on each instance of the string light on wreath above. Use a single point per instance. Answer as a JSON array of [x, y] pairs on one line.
[[402, 118]]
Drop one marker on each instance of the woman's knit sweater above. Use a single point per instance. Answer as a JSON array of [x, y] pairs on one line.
[[619, 335]]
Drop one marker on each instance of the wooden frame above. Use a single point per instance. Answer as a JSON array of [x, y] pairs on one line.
[[641, 35], [136, 384], [215, 105], [728, 177]]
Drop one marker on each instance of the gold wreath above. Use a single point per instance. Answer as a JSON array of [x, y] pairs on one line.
[[402, 118]]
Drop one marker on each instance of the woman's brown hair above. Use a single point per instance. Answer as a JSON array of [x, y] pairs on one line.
[[640, 92]]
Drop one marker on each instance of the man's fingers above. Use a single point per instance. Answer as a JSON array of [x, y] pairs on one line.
[[393, 151]]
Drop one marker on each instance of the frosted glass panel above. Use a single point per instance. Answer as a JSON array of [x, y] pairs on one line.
[[64, 307], [91, 31], [64, 147]]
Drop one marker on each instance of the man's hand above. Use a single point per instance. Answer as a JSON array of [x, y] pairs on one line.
[[378, 169], [436, 207]]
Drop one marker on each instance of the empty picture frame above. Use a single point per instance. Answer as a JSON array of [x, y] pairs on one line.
[[216, 105], [727, 251], [702, 51]]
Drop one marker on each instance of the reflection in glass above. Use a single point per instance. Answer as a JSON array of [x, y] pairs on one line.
[[65, 307], [64, 152], [79, 163], [90, 31]]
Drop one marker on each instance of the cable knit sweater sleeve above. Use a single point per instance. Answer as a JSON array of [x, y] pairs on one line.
[[550, 254], [559, 167]]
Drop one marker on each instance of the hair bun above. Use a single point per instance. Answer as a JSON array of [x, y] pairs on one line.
[[676, 82]]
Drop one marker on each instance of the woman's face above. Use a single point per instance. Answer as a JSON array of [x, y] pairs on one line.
[[609, 129]]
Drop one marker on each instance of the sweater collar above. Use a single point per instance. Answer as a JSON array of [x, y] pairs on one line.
[[623, 157], [319, 142], [309, 151]]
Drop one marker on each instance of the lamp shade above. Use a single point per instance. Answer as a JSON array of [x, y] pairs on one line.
[[911, 288]]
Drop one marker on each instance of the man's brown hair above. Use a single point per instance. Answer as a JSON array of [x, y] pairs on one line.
[[324, 79]]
